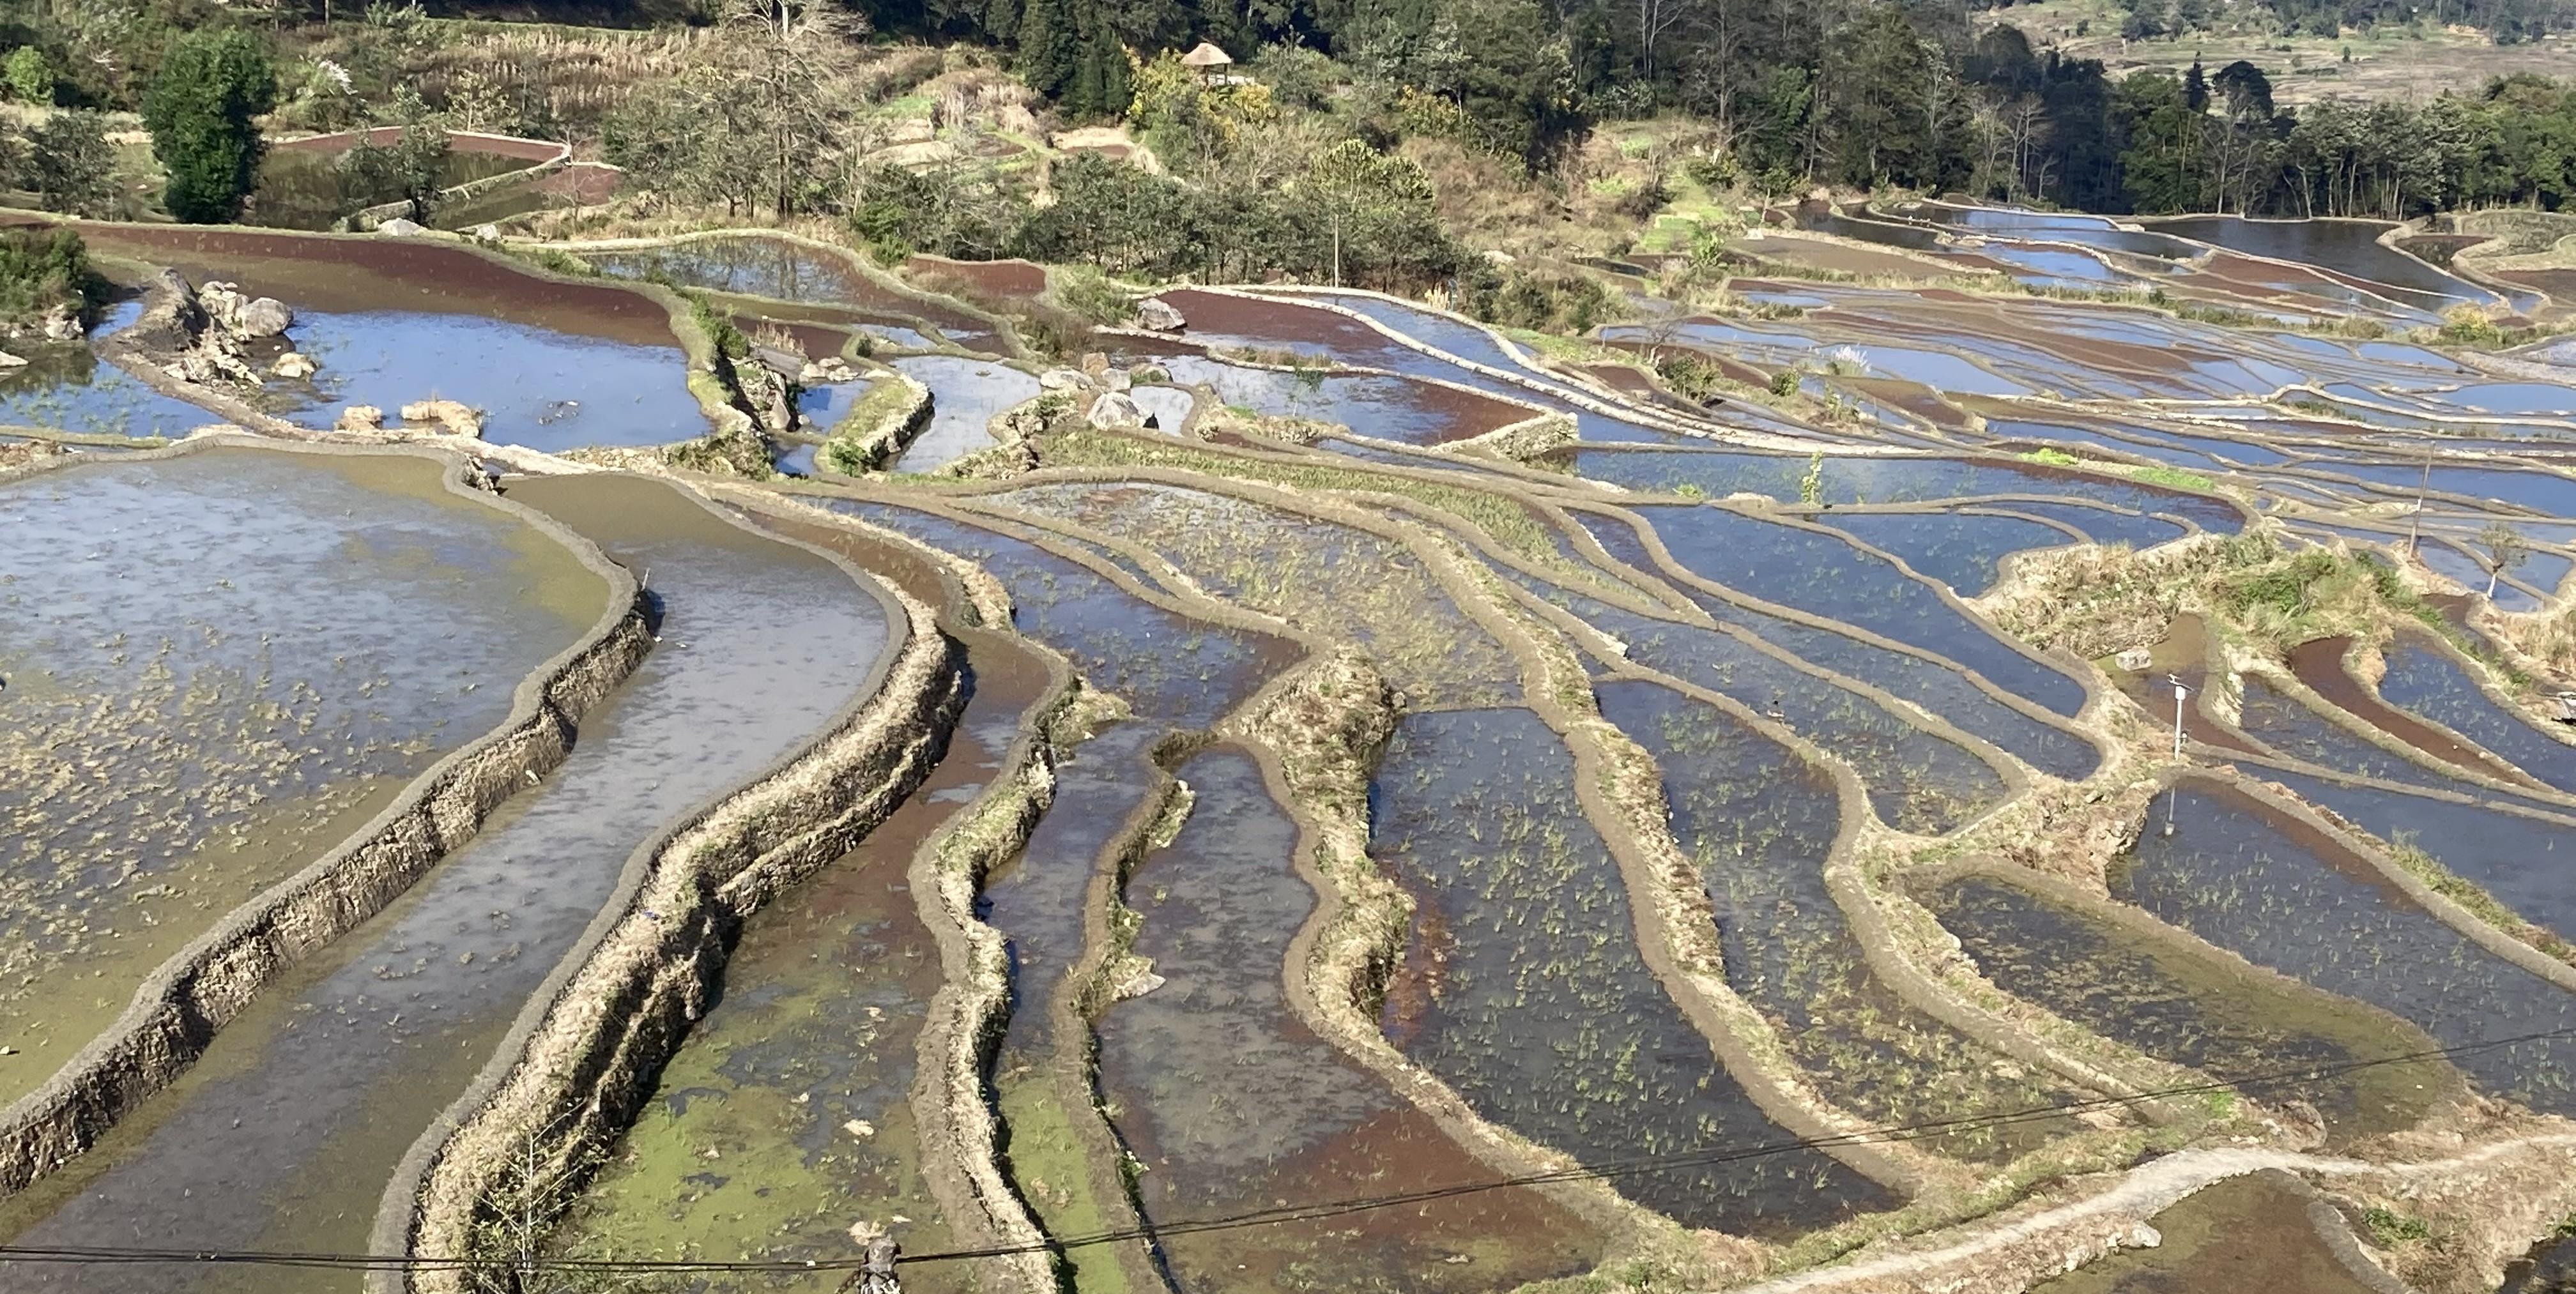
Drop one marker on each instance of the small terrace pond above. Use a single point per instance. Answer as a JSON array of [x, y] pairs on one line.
[[2257, 1232], [787, 1111], [217, 667], [2256, 882], [965, 395], [1233, 1104], [69, 388], [1525, 990], [1761, 823], [302, 186], [552, 364], [285, 1134]]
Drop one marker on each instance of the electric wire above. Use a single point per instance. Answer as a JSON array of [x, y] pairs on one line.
[[1603, 1171]]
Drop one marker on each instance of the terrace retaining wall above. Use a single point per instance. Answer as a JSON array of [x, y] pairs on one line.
[[177, 1012], [584, 1055]]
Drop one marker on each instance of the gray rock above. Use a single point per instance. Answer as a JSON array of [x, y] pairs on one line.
[[293, 366], [398, 227], [1116, 411], [62, 323], [263, 317], [1063, 379], [1157, 315]]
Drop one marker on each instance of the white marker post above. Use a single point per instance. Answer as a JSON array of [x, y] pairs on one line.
[[2173, 796], [2180, 692]]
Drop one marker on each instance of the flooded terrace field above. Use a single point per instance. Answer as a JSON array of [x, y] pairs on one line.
[[1424, 821], [553, 364], [289, 1130], [218, 665]]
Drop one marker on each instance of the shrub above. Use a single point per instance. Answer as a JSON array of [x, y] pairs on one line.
[[30, 75], [1543, 302], [44, 268], [199, 111], [69, 162]]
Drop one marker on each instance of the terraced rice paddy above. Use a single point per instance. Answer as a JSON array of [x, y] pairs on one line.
[[1738, 840], [2255, 882], [217, 667], [1524, 989], [68, 388], [285, 1134], [1761, 829]]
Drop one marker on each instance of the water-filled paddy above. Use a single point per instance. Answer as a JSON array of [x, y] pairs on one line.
[[1849, 480], [2426, 680], [536, 387], [787, 1111], [1374, 405], [1962, 550], [2251, 880], [2517, 857], [1330, 578], [1916, 781], [2172, 1001], [1759, 823], [1179, 671], [69, 388], [553, 364], [965, 395], [216, 667], [285, 1135], [1525, 989], [1233, 1103], [1821, 573]]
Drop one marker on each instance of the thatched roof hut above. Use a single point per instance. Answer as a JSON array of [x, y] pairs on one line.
[[1207, 58]]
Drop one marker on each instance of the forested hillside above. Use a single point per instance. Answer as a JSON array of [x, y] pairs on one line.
[[1396, 110]]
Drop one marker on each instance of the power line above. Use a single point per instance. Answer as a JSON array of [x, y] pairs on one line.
[[1607, 1171]]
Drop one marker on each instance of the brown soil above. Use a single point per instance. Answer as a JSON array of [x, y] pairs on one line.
[[1013, 278], [1839, 258], [1284, 324], [2319, 664], [347, 274], [2180, 655], [2241, 1236]]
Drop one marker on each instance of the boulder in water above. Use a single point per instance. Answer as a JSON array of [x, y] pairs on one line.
[[827, 370], [362, 417], [1117, 411], [8, 360], [451, 415], [1062, 379], [293, 366], [1157, 315]]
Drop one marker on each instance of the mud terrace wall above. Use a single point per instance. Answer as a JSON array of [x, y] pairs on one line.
[[179, 1010], [582, 1059], [896, 419]]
